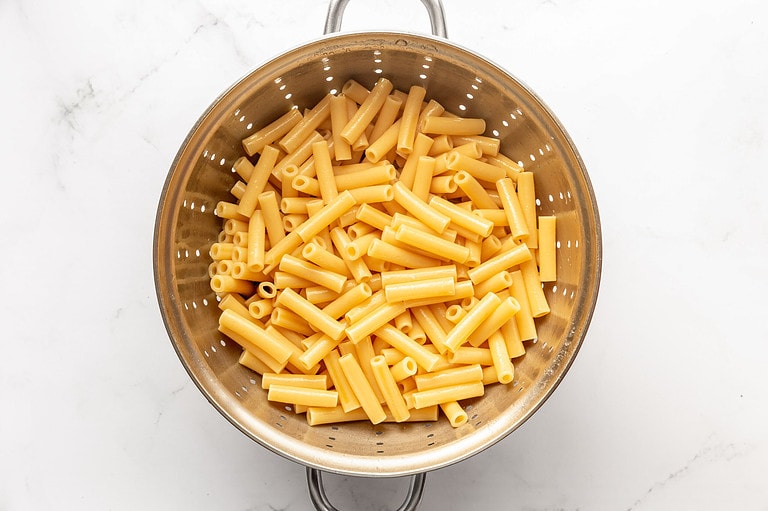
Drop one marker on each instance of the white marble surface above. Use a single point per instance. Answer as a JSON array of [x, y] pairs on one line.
[[667, 404]]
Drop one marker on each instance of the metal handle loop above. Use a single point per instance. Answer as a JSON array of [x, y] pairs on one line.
[[434, 9], [320, 499]]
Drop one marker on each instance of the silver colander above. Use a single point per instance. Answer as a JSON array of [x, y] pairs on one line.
[[200, 176]]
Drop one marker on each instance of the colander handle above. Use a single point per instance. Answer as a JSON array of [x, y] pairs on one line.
[[434, 9], [320, 499]]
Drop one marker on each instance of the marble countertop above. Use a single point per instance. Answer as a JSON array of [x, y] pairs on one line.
[[667, 405]]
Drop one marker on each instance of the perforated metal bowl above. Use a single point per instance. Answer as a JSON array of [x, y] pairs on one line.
[[201, 175]]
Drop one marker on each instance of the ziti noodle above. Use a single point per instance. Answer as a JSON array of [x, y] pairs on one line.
[[381, 259]]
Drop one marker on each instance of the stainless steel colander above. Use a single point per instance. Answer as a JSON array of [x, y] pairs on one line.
[[201, 175]]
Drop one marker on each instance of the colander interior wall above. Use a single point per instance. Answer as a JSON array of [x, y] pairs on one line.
[[201, 175]]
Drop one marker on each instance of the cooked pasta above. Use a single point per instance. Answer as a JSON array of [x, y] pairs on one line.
[[382, 259]]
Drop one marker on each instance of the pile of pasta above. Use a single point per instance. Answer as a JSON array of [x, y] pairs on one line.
[[382, 261]]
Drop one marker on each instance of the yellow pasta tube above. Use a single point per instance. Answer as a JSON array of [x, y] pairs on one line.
[[227, 210], [243, 167], [232, 226], [373, 216], [503, 313], [471, 355], [270, 133], [363, 352], [512, 168], [351, 298], [432, 244], [379, 148], [387, 117], [356, 266], [266, 290], [474, 190], [371, 194], [324, 171], [317, 351], [274, 346], [388, 386], [229, 284], [511, 335], [547, 248], [399, 276], [257, 181], [421, 146], [320, 295], [313, 315], [422, 180], [497, 216], [286, 182], [463, 289], [431, 326], [511, 204], [306, 185], [237, 305], [220, 251], [454, 413], [505, 371], [253, 362], [362, 389], [302, 395], [390, 253], [299, 156], [339, 119], [424, 398], [441, 144], [365, 326], [314, 253], [376, 175], [313, 273], [488, 145], [260, 308], [403, 368], [317, 416], [330, 212], [490, 247], [256, 242], [432, 108], [366, 307], [478, 169], [503, 261], [420, 209], [311, 121], [410, 118], [347, 399], [447, 377], [469, 323], [367, 111], [536, 298], [311, 381], [272, 220], [462, 217], [416, 290], [295, 205], [524, 318], [453, 126], [494, 284], [267, 360], [291, 222], [399, 219], [455, 312], [408, 346], [355, 91], [526, 194], [443, 185], [283, 279], [289, 320]]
